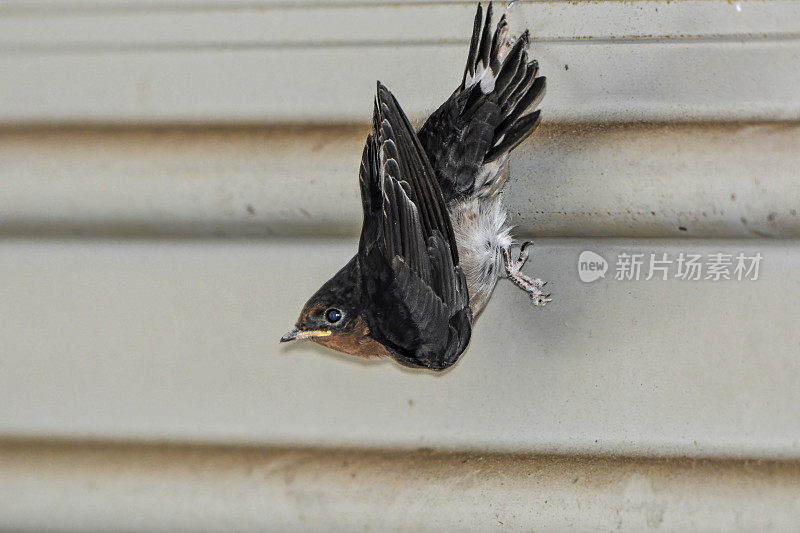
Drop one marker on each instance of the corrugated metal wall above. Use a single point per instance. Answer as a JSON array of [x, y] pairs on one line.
[[177, 177]]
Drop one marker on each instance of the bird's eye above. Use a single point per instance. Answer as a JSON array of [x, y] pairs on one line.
[[333, 315]]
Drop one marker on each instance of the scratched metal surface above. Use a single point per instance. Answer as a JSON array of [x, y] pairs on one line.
[[191, 488], [277, 62], [177, 340], [625, 180]]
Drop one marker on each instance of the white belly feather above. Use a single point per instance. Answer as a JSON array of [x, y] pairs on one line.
[[479, 224]]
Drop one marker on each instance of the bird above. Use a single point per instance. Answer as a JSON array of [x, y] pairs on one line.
[[435, 237]]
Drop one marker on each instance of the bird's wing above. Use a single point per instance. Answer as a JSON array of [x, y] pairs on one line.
[[414, 295], [484, 118]]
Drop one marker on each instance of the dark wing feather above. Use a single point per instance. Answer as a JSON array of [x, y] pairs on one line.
[[414, 295], [480, 122]]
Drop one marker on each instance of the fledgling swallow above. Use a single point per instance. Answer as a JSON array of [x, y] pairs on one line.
[[434, 239]]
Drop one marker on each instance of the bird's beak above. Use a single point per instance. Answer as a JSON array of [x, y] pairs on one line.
[[290, 336], [299, 335]]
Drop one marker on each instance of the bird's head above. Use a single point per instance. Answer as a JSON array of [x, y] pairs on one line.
[[332, 317]]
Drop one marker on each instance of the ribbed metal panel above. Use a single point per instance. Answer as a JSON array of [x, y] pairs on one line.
[[177, 177]]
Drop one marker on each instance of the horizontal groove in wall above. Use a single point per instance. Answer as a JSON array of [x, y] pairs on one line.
[[753, 80], [179, 341], [325, 26], [605, 61], [99, 486], [718, 180]]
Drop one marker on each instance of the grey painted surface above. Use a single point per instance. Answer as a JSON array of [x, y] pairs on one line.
[[81, 24], [112, 487], [178, 340], [146, 274], [712, 180], [688, 60]]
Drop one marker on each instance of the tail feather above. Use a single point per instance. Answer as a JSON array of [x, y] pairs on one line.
[[526, 76], [469, 70], [485, 47], [508, 76], [499, 42], [469, 137], [529, 99], [513, 64], [514, 135]]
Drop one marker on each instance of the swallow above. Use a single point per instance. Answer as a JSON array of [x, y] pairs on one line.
[[435, 237]]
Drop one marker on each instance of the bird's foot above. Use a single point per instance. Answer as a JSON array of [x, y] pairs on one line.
[[533, 286]]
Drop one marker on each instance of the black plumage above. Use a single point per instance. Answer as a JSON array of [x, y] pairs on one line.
[[405, 294], [474, 127], [414, 295]]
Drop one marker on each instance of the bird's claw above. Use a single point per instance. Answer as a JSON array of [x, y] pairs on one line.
[[533, 286], [541, 300]]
